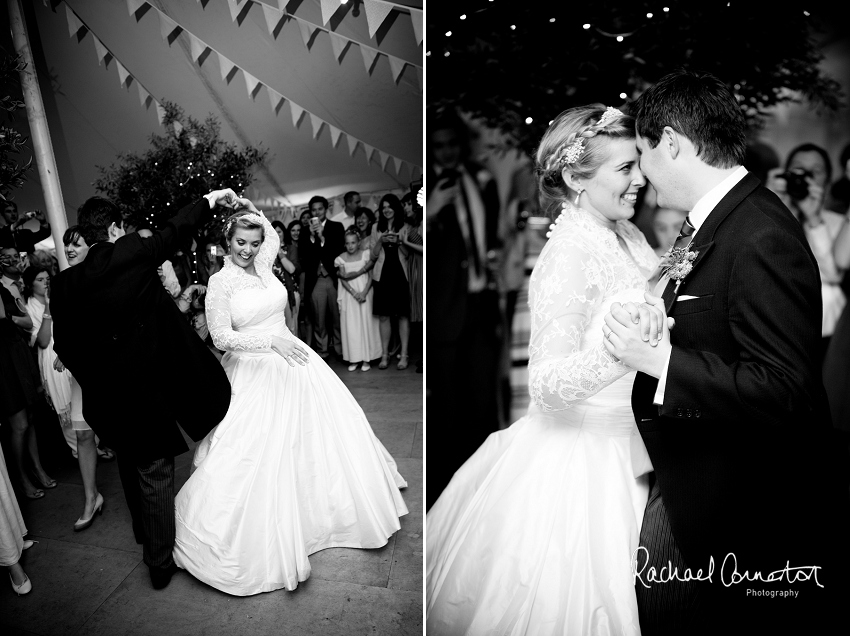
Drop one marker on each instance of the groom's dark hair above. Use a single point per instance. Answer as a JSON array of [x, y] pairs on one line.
[[94, 218], [700, 107]]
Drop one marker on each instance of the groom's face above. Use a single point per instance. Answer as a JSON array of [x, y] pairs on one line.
[[652, 167]]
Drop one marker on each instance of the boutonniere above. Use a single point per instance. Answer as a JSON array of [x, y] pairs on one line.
[[678, 263]]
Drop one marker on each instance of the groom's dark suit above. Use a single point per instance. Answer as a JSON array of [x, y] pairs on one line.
[[741, 445], [139, 363]]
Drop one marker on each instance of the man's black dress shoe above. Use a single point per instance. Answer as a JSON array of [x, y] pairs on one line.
[[161, 577]]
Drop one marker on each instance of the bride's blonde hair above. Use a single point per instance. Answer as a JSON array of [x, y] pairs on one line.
[[242, 220], [576, 141]]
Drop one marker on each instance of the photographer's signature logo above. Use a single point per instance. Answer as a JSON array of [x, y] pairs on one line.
[[729, 573]]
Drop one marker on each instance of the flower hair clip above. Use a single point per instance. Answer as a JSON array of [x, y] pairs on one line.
[[573, 149]]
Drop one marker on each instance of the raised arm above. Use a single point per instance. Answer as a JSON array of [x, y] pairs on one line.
[[225, 338], [565, 289]]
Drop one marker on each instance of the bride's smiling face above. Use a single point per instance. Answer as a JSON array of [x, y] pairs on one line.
[[611, 193], [244, 246]]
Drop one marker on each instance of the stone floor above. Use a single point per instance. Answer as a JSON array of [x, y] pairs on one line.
[[94, 582]]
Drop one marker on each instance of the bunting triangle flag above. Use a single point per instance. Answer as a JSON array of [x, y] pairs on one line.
[[167, 26], [397, 66], [416, 18], [306, 31], [376, 13], [102, 51], [123, 73], [234, 9], [335, 133], [352, 144], [178, 127], [160, 113], [297, 112], [74, 24], [384, 158], [329, 7], [226, 66], [339, 44], [369, 150], [273, 17], [197, 46], [419, 76], [398, 165], [251, 83], [144, 96], [135, 5], [317, 124], [369, 55], [275, 98]]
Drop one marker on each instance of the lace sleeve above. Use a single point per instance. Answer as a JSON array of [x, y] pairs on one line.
[[224, 337], [271, 244], [566, 287]]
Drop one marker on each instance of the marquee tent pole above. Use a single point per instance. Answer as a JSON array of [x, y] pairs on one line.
[[37, 118]]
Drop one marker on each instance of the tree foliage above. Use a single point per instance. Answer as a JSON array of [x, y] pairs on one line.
[[13, 174], [549, 61], [179, 167]]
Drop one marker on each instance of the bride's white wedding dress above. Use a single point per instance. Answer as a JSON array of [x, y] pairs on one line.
[[535, 532], [293, 468]]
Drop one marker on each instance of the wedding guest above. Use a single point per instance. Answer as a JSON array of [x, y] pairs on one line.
[[45, 259], [14, 235], [20, 385], [361, 337], [805, 196], [840, 190], [364, 219], [294, 235], [287, 273], [414, 243], [666, 224], [462, 215], [392, 289], [12, 528], [210, 260], [11, 264], [351, 201]]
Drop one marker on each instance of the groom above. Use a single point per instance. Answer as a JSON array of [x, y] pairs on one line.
[[731, 404], [141, 367]]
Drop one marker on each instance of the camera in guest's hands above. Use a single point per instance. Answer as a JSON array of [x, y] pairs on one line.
[[796, 185]]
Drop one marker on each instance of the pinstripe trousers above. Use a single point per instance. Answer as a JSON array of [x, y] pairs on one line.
[[664, 608], [323, 299], [149, 490]]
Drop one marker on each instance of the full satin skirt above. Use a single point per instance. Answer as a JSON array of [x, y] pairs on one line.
[[536, 531], [294, 468]]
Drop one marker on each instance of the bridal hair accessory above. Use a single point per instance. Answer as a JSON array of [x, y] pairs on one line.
[[256, 218], [573, 148]]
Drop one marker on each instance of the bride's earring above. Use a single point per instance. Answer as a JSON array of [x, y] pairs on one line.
[[578, 195]]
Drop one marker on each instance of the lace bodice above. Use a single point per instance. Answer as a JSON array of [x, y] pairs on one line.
[[244, 311], [580, 272]]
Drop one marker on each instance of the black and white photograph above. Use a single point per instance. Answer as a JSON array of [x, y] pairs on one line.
[[638, 344], [211, 330]]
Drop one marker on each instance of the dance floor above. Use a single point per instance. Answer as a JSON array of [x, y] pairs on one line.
[[94, 582]]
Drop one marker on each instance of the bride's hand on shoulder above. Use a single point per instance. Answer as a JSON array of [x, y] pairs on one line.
[[291, 351]]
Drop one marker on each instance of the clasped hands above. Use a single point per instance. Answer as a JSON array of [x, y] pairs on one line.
[[638, 334]]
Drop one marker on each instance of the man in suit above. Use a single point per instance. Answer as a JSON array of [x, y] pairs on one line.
[[730, 403], [141, 367], [324, 242], [463, 314]]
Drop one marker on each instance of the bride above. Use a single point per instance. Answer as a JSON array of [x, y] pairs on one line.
[[535, 532], [294, 467]]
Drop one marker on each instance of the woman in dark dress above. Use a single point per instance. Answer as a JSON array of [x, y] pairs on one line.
[[392, 289]]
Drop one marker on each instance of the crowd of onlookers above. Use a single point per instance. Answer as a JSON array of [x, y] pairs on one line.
[[354, 289]]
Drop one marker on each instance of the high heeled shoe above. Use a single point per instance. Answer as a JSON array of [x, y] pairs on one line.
[[81, 523], [23, 588], [384, 363], [403, 362]]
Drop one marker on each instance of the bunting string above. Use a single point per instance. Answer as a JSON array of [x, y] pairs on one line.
[[169, 29]]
